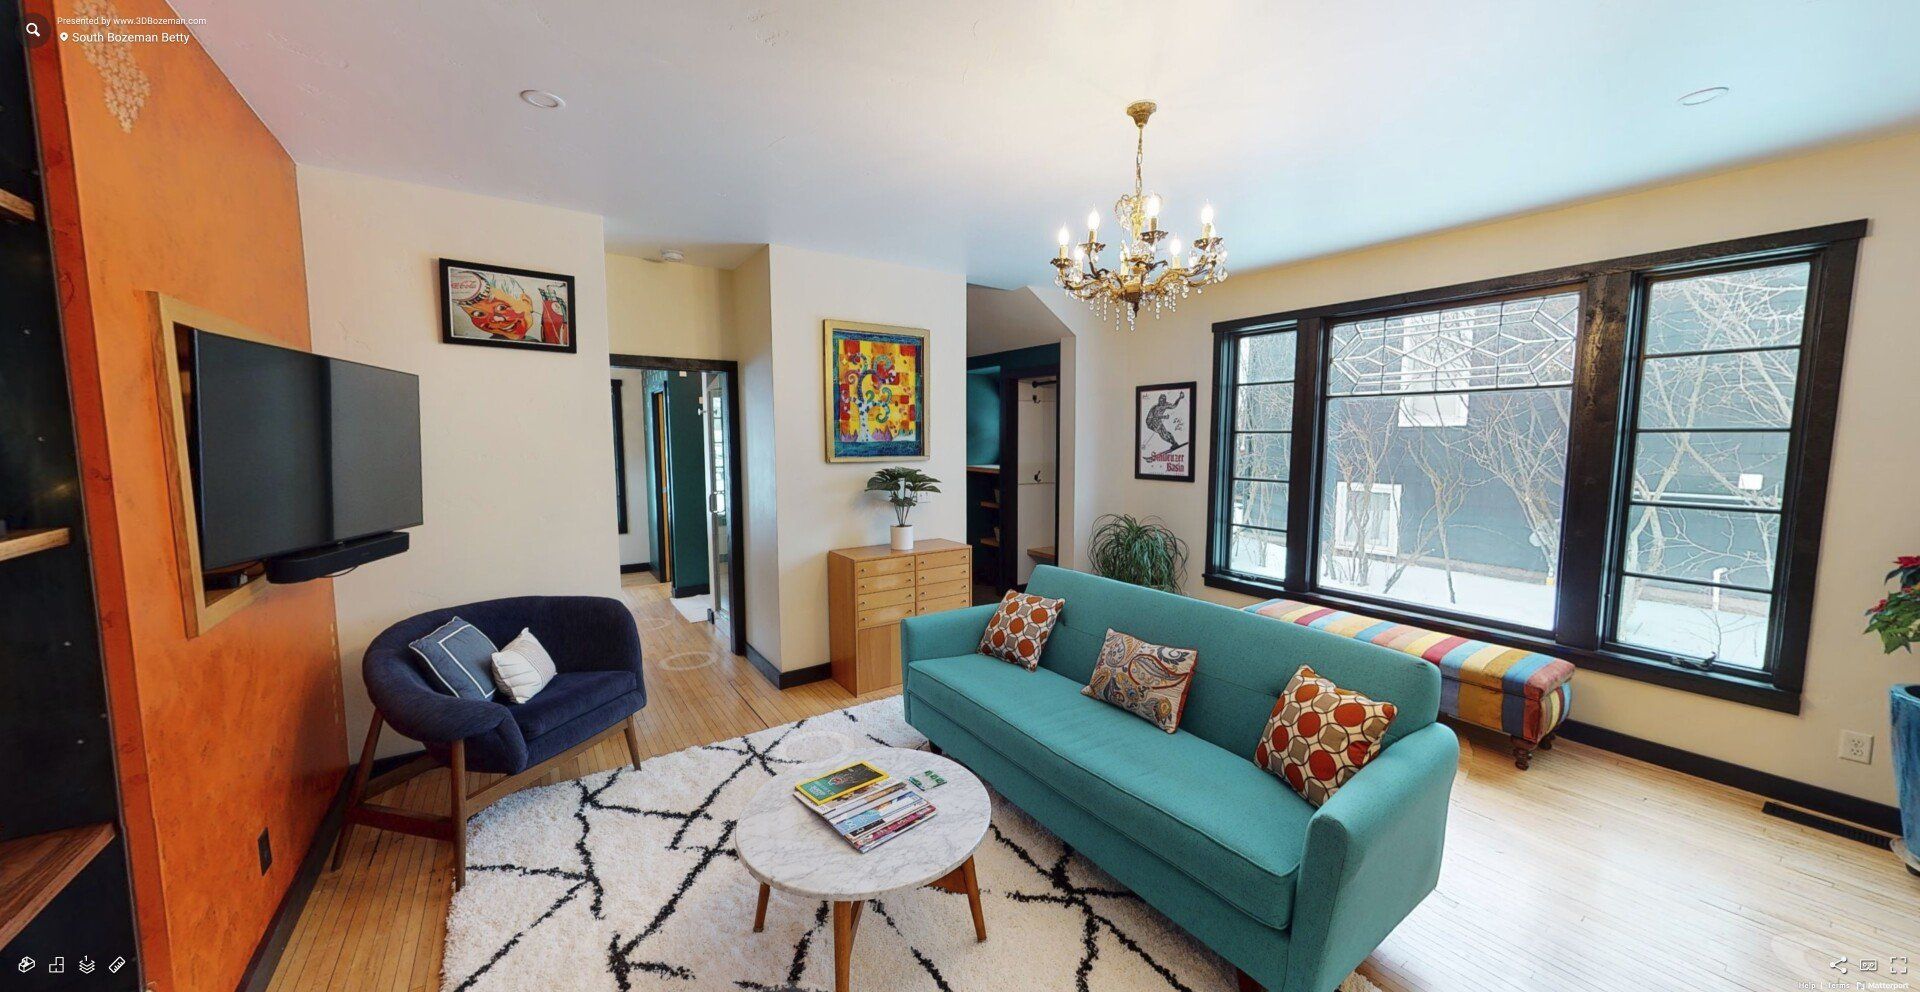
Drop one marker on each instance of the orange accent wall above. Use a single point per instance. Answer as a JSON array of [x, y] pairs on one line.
[[241, 729]]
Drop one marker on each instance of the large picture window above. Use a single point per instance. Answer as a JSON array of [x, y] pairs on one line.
[[1446, 428], [1623, 462]]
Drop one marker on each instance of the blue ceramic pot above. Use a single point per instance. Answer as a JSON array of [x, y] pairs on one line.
[[1906, 767]]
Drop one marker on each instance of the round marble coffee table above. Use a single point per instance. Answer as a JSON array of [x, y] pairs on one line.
[[789, 847]]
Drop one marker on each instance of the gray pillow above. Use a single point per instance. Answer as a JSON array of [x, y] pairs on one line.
[[458, 659]]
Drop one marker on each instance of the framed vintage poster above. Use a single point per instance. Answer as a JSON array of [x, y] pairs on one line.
[[1163, 431], [500, 307], [876, 392]]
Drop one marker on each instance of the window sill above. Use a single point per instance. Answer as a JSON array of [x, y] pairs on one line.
[[1714, 684]]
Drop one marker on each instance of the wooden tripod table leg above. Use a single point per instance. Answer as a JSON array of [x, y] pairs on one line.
[[846, 923], [760, 910], [964, 880]]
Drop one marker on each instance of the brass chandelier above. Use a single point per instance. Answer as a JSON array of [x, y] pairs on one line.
[[1144, 275]]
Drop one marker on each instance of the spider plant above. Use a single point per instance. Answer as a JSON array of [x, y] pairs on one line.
[[1143, 552]]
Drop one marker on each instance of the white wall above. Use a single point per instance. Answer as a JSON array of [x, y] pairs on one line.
[[1870, 515], [751, 342], [633, 428], [668, 309], [516, 447], [822, 506]]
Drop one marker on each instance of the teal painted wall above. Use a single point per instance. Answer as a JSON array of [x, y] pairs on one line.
[[686, 480], [654, 381], [983, 417]]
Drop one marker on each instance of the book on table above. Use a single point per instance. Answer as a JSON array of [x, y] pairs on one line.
[[871, 813]]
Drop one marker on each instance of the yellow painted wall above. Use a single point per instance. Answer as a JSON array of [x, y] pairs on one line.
[[1870, 508]]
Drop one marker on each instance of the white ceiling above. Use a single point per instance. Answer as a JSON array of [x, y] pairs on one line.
[[960, 135]]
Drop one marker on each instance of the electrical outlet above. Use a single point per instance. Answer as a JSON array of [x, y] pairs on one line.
[[1856, 746], [266, 852]]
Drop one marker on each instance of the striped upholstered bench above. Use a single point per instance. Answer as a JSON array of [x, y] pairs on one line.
[[1522, 694]]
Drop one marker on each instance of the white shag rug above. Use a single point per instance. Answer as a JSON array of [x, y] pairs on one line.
[[627, 880]]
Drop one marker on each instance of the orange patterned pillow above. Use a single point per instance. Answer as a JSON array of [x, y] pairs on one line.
[[1320, 734], [1018, 632]]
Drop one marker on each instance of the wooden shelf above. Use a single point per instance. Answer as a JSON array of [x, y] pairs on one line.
[[988, 542], [984, 469], [989, 504], [15, 208], [13, 544], [1044, 555], [34, 869]]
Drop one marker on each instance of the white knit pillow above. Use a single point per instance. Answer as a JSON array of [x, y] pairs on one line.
[[522, 668]]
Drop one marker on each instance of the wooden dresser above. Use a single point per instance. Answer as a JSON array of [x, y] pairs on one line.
[[871, 589]]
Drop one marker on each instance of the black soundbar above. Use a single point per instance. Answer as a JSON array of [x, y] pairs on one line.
[[318, 563]]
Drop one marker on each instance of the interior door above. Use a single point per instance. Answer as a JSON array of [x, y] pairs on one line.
[[719, 498]]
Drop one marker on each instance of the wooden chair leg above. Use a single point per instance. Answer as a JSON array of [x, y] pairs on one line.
[[1546, 743], [633, 740], [358, 791], [457, 764], [1247, 984]]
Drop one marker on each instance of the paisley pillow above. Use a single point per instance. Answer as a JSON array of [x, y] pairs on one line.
[[1144, 679], [1019, 631]]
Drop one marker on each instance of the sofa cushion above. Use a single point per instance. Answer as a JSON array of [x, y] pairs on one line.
[[522, 668], [1214, 815], [1321, 735], [1148, 680], [568, 696], [457, 659], [1018, 630]]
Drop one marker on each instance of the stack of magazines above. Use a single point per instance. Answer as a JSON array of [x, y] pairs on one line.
[[864, 804]]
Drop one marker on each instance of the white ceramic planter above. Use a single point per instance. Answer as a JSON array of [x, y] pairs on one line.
[[902, 538]]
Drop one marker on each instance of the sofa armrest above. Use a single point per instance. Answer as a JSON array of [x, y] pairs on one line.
[[1372, 854], [944, 635], [421, 713]]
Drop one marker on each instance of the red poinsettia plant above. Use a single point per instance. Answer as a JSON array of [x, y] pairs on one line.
[[1897, 618]]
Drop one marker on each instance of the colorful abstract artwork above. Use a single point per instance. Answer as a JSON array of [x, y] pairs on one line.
[[876, 392], [512, 308]]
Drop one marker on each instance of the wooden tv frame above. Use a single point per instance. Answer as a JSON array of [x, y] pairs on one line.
[[202, 608]]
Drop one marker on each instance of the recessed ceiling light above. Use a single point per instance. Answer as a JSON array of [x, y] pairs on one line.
[[542, 99], [672, 255], [1708, 95]]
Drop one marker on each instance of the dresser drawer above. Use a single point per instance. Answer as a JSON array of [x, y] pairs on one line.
[[884, 615], [883, 598], [882, 566], [945, 573], [881, 583], [942, 559], [940, 590], [959, 602]]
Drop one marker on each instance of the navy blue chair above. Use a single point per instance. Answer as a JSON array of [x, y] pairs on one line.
[[598, 691]]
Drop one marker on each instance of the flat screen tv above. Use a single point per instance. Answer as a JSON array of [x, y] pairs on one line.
[[293, 451]]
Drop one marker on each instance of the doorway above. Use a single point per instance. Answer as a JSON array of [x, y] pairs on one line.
[[1013, 465], [680, 464]]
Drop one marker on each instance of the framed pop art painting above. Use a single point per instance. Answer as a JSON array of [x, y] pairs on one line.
[[499, 307], [1163, 431], [876, 392]]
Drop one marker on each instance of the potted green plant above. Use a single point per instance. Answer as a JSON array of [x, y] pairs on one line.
[[1143, 552], [1897, 620], [903, 488]]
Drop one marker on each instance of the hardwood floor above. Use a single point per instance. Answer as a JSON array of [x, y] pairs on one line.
[[1591, 872]]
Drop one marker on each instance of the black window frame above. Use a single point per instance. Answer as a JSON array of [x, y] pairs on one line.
[[1613, 298]]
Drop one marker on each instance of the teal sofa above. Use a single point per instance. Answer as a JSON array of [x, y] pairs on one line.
[[1292, 896]]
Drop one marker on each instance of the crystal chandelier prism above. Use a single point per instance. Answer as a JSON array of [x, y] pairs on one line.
[[1155, 270]]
